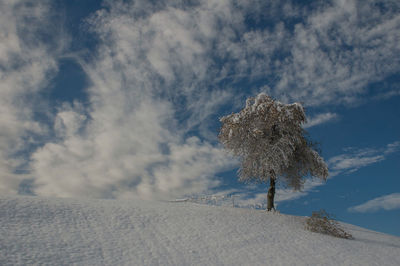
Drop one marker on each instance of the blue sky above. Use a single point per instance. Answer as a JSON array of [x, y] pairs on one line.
[[114, 99]]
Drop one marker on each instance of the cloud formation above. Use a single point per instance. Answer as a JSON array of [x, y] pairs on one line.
[[392, 147], [341, 48], [358, 158], [320, 119], [387, 203], [147, 90], [26, 65], [162, 73]]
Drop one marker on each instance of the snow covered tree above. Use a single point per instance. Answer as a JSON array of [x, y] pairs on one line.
[[268, 138]]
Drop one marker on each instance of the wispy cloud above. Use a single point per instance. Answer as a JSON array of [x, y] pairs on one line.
[[288, 194], [358, 158], [335, 52], [392, 147], [27, 64], [352, 162], [387, 95], [320, 119], [387, 202]]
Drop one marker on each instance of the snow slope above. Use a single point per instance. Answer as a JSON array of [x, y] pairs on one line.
[[49, 231]]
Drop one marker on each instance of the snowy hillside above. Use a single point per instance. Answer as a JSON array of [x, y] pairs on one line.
[[110, 232]]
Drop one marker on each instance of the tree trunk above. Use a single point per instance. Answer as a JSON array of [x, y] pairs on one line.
[[271, 193]]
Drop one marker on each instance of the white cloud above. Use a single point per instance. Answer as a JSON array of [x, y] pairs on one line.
[[289, 194], [149, 90], [358, 158], [320, 119], [352, 162], [392, 147], [26, 65], [387, 202], [387, 94], [340, 49], [120, 154]]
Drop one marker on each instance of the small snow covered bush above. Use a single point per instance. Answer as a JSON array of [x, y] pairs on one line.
[[322, 222]]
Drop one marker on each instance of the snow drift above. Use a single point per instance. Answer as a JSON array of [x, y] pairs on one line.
[[112, 232]]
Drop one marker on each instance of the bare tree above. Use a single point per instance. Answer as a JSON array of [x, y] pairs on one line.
[[268, 138]]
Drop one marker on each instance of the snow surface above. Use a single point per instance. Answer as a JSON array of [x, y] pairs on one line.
[[50, 231]]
